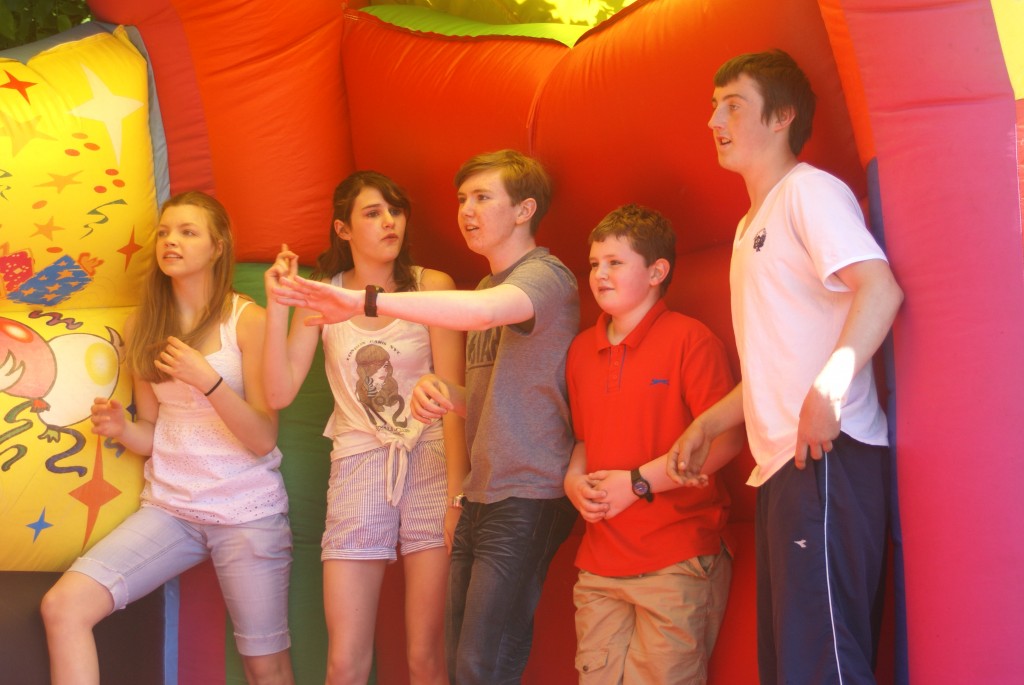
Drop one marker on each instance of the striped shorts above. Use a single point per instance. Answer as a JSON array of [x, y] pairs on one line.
[[361, 524]]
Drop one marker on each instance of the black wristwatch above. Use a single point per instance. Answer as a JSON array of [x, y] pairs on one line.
[[370, 302], [641, 488]]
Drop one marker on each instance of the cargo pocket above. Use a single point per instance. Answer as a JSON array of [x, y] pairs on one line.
[[591, 661]]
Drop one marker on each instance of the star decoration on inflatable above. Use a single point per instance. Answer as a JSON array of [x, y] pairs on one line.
[[60, 181], [107, 108], [95, 494], [47, 229], [20, 86], [39, 525], [21, 131], [129, 249]]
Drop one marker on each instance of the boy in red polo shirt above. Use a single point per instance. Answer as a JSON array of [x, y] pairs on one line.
[[654, 573]]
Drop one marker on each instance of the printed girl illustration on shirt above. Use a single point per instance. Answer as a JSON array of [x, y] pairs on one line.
[[376, 386]]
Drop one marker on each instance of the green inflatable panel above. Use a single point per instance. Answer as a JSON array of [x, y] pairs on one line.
[[306, 468], [427, 20]]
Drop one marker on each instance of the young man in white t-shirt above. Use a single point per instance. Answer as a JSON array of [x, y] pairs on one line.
[[812, 300]]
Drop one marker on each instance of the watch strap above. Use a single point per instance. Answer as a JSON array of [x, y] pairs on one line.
[[370, 302], [644, 489]]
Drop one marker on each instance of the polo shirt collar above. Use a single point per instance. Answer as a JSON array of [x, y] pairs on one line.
[[635, 336]]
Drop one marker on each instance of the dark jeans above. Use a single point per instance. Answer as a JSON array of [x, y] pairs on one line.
[[499, 560]]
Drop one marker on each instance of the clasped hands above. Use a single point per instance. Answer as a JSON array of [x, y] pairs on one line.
[[600, 494]]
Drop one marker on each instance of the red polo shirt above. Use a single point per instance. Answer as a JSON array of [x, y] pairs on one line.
[[629, 403]]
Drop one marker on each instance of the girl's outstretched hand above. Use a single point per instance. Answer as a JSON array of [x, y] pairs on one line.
[[178, 360]]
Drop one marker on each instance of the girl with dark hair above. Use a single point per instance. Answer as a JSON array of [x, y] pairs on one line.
[[391, 481]]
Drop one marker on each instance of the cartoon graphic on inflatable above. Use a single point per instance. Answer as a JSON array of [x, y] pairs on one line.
[[77, 204], [58, 380], [921, 111]]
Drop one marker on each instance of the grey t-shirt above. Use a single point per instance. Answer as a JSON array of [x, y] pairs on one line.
[[517, 413]]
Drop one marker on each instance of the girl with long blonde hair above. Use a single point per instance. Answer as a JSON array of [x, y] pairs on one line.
[[212, 484]]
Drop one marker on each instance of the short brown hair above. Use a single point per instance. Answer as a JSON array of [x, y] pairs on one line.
[[650, 235], [524, 177], [782, 84]]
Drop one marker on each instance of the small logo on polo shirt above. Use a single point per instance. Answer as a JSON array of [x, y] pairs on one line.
[[659, 381], [759, 239], [802, 544]]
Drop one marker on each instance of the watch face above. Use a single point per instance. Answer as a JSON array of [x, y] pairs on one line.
[[641, 488]]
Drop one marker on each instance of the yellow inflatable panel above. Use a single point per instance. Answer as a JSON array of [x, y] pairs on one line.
[[1009, 16], [77, 212], [77, 200]]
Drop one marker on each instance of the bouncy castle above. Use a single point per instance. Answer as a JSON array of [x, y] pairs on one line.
[[267, 105]]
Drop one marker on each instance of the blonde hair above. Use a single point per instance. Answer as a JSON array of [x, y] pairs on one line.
[[157, 316]]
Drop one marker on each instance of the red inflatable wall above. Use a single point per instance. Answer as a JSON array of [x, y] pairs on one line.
[[253, 106], [943, 119]]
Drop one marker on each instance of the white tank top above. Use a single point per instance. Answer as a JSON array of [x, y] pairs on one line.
[[199, 470], [372, 374]]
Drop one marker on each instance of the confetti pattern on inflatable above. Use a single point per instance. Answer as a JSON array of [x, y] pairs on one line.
[[77, 209]]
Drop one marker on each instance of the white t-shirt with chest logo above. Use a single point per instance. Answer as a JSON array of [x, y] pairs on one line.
[[789, 307]]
